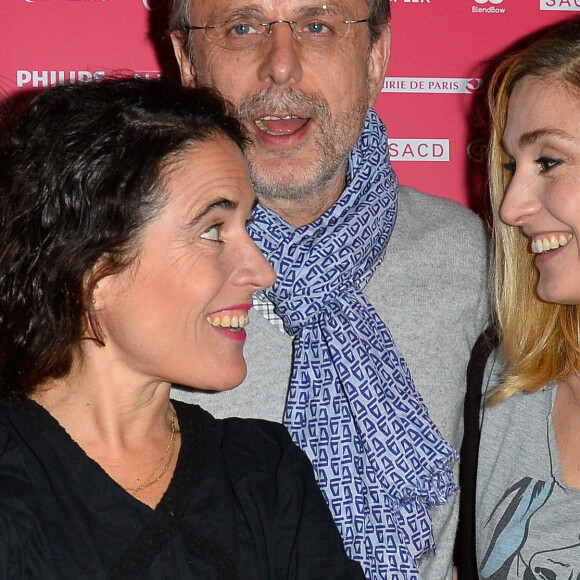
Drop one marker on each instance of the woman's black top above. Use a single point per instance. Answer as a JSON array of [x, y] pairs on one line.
[[243, 503]]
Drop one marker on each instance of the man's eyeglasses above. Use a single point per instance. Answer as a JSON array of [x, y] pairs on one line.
[[320, 31]]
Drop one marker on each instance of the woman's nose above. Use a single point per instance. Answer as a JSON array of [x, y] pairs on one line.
[[265, 275], [520, 202], [256, 270]]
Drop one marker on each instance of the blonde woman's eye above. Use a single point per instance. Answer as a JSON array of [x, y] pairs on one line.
[[212, 234], [510, 167], [547, 163]]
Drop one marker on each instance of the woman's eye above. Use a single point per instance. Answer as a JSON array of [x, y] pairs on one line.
[[212, 234], [547, 163], [510, 167]]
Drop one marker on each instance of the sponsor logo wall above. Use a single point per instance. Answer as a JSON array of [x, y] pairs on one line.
[[441, 50]]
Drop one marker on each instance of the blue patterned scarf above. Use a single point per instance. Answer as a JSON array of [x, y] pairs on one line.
[[352, 407]]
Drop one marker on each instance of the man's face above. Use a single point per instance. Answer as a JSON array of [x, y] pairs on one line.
[[303, 106]]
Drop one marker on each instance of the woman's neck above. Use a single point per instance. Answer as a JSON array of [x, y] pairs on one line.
[[124, 423]]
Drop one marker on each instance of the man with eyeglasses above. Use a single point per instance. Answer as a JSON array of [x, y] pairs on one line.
[[366, 313]]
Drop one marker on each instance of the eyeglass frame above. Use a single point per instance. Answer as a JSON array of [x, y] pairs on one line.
[[290, 23]]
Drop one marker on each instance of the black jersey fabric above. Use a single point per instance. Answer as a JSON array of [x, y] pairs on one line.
[[242, 503]]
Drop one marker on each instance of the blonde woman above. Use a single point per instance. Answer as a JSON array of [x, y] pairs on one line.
[[528, 489]]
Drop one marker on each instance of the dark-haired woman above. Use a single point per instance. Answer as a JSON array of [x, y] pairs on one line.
[[125, 266]]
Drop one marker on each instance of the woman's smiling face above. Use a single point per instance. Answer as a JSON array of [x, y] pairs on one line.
[[175, 314], [542, 139]]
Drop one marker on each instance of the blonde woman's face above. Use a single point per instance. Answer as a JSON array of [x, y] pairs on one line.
[[542, 139]]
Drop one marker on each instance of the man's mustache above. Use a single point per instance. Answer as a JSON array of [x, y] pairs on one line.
[[289, 102]]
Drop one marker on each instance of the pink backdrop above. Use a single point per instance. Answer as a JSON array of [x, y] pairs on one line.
[[441, 49]]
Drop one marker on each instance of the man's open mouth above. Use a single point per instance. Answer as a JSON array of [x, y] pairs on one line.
[[276, 126]]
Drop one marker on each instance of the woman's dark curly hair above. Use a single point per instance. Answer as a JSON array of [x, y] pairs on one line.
[[82, 170]]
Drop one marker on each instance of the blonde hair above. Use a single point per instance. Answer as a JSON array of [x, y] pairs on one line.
[[540, 340]]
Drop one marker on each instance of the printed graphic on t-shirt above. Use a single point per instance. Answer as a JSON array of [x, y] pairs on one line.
[[516, 521]]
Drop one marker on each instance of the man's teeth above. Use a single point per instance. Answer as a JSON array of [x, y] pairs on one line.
[[274, 118], [227, 321], [540, 245], [260, 124]]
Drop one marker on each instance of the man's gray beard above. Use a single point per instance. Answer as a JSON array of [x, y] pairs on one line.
[[333, 146], [277, 188]]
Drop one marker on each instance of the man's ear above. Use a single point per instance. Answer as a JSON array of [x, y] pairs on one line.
[[183, 61], [378, 62]]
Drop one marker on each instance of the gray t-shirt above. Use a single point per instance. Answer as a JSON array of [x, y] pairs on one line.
[[527, 519]]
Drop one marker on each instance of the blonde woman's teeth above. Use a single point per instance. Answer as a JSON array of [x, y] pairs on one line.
[[227, 321], [541, 245]]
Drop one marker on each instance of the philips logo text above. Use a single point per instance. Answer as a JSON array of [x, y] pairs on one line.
[[47, 78]]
